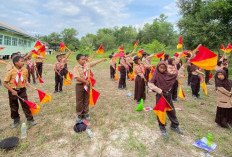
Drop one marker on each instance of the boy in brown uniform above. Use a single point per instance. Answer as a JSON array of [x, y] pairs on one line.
[[39, 65], [58, 68], [16, 81], [31, 69], [81, 74]]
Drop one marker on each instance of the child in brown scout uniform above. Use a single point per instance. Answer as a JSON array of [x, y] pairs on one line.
[[81, 74], [161, 83], [129, 61], [113, 65], [147, 63], [224, 105], [31, 69], [16, 81], [39, 65], [139, 80], [58, 68]]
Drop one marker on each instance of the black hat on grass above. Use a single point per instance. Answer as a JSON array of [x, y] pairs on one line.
[[9, 143], [79, 127]]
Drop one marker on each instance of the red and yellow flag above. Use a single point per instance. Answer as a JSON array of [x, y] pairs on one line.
[[38, 45], [131, 76], [210, 76], [180, 45], [62, 47], [229, 48], [40, 80], [1, 48], [160, 109], [121, 49], [92, 82], [100, 50], [34, 108], [93, 97], [34, 53], [120, 54], [43, 97], [139, 54], [42, 51], [203, 85], [69, 76], [159, 55], [205, 59], [181, 92], [185, 53], [67, 82], [222, 48], [136, 44]]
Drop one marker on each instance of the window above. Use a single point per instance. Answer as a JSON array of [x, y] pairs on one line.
[[28, 43], [25, 43], [20, 43], [1, 39], [14, 41], [7, 40]]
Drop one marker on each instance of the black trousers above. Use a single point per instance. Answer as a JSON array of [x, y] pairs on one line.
[[112, 72], [195, 85], [139, 89], [171, 114], [39, 66], [65, 70], [14, 104], [58, 82], [174, 90], [189, 78], [122, 80], [130, 70], [207, 73]]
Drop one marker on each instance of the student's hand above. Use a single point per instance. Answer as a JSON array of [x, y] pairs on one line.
[[161, 93], [87, 83], [14, 93], [28, 84]]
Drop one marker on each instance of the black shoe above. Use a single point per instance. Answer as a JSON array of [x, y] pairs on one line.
[[194, 96], [16, 123], [87, 117], [120, 88], [55, 91], [32, 122], [164, 133], [198, 97], [177, 129], [60, 91], [79, 118], [174, 99]]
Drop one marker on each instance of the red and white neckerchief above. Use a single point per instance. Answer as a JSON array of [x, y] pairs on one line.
[[30, 64], [60, 66], [86, 78], [19, 76]]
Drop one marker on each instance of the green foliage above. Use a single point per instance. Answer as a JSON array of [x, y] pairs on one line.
[[154, 47], [205, 22]]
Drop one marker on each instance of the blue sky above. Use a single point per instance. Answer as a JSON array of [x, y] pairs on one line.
[[86, 16]]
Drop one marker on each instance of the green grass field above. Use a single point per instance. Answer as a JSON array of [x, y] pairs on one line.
[[117, 128]]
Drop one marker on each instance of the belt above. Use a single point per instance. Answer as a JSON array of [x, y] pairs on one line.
[[18, 89], [79, 84], [166, 92]]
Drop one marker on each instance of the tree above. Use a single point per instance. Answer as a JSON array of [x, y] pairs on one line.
[[69, 37]]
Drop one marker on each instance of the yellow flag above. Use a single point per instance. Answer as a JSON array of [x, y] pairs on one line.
[[181, 92], [66, 82], [203, 85]]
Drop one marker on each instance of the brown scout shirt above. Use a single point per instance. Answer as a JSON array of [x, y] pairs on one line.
[[11, 75], [139, 70], [78, 71]]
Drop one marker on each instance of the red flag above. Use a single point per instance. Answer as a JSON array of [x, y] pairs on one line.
[[205, 59], [180, 44], [34, 108], [136, 44], [1, 48], [42, 51], [38, 45], [160, 109], [92, 82], [120, 54], [140, 53], [40, 80], [159, 55], [62, 47], [222, 48], [100, 50], [210, 76], [229, 48], [93, 97], [121, 49]]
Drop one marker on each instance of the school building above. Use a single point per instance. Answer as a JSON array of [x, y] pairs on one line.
[[15, 40]]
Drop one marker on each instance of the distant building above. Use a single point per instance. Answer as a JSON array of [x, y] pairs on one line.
[[15, 39]]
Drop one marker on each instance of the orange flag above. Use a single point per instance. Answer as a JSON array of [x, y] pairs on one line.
[[116, 77], [38, 45], [139, 54], [136, 44], [1, 48], [203, 85], [34, 108], [180, 44], [131, 76], [40, 80], [229, 48], [62, 47], [160, 109], [181, 92], [205, 59], [67, 82], [121, 49], [93, 97], [159, 55], [100, 50], [42, 51], [69, 76], [43, 97]]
